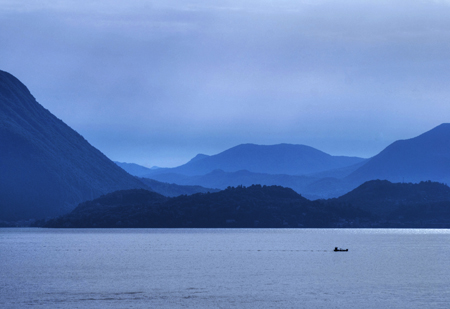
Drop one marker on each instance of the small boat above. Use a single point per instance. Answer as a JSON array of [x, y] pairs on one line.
[[336, 249]]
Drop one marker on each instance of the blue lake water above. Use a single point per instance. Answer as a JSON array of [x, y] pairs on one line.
[[224, 268]]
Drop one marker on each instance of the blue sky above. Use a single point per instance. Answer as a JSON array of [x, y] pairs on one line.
[[156, 82]]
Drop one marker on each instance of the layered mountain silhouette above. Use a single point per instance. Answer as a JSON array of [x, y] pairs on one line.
[[46, 168], [298, 167], [221, 180], [172, 190], [313, 173], [134, 169]]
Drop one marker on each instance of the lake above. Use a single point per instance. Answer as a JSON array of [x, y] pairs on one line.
[[224, 268]]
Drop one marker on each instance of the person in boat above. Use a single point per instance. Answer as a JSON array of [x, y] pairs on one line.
[[339, 249]]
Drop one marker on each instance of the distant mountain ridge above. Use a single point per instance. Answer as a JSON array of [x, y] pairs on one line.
[[423, 158], [46, 168], [134, 169], [172, 190], [285, 159]]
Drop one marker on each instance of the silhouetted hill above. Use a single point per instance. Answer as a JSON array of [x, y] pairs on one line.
[[308, 186], [382, 197], [275, 159], [172, 190], [377, 203], [339, 173], [46, 168], [221, 180], [425, 157], [255, 206]]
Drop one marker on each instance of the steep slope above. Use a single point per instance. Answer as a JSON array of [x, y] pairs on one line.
[[425, 157], [46, 168], [275, 159]]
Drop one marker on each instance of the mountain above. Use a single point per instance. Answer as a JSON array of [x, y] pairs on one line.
[[425, 157], [46, 168], [315, 174], [274, 159], [304, 185], [376, 203], [243, 207], [384, 198], [164, 188], [135, 169], [172, 190]]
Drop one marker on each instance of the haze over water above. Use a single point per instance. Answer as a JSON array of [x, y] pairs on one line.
[[241, 268]]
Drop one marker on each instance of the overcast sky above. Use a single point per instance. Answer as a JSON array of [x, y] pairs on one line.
[[156, 82]]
